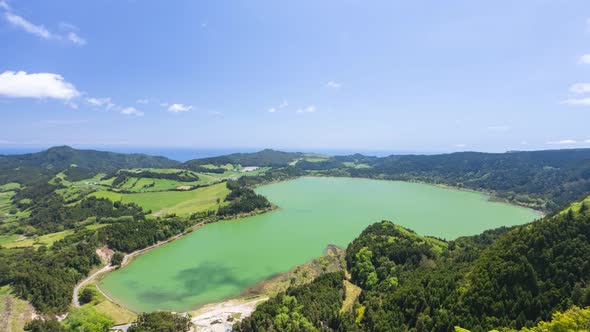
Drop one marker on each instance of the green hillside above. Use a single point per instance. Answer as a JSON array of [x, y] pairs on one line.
[[501, 279], [32, 167]]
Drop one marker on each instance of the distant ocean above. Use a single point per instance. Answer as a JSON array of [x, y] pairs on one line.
[[184, 154]]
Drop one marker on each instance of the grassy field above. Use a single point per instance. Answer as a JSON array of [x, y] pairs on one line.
[[17, 241], [5, 201], [117, 313], [352, 294], [45, 240], [4, 239], [14, 312], [168, 202], [355, 165], [9, 187], [315, 157]]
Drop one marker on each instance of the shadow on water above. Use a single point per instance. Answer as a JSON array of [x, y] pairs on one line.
[[196, 280]]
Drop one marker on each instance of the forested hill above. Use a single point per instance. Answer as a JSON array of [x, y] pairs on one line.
[[265, 157], [504, 278], [31, 167], [554, 176]]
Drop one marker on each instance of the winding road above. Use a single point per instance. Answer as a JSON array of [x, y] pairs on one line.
[[85, 281]]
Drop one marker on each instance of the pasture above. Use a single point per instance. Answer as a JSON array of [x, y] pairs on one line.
[[182, 203]]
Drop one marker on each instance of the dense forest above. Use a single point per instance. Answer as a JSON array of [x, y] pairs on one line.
[[242, 200], [312, 307]]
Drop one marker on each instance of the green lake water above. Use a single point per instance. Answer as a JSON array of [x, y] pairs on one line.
[[221, 260]]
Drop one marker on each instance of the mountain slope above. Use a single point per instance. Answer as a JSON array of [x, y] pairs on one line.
[[266, 157], [30, 167]]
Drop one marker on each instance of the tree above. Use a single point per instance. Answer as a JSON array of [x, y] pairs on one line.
[[117, 258], [38, 325], [87, 295]]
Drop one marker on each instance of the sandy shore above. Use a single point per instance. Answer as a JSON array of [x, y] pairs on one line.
[[220, 317]]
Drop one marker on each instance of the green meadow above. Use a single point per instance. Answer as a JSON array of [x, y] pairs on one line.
[[172, 202]]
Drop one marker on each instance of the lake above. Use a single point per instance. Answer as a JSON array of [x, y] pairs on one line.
[[222, 259]]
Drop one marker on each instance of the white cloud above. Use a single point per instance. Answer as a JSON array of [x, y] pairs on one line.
[[74, 38], [175, 108], [580, 88], [131, 111], [585, 59], [106, 102], [587, 141], [334, 85], [562, 142], [39, 30], [460, 145], [4, 5], [20, 22], [38, 85], [143, 101], [308, 109], [577, 102], [282, 105]]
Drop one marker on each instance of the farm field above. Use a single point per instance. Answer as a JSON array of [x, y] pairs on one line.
[[45, 240], [18, 241], [168, 202]]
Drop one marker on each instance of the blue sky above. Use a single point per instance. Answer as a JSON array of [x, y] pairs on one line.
[[368, 75]]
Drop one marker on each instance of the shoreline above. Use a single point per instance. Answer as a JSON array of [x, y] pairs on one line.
[[247, 294], [491, 195], [103, 272]]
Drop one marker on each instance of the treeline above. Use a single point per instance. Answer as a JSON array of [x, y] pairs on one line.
[[242, 200], [131, 236], [201, 169], [540, 179], [272, 175], [262, 158], [182, 176], [50, 213], [312, 307]]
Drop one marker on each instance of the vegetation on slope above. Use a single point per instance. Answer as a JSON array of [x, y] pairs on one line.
[[312, 307], [266, 157], [34, 167], [540, 179], [508, 278]]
